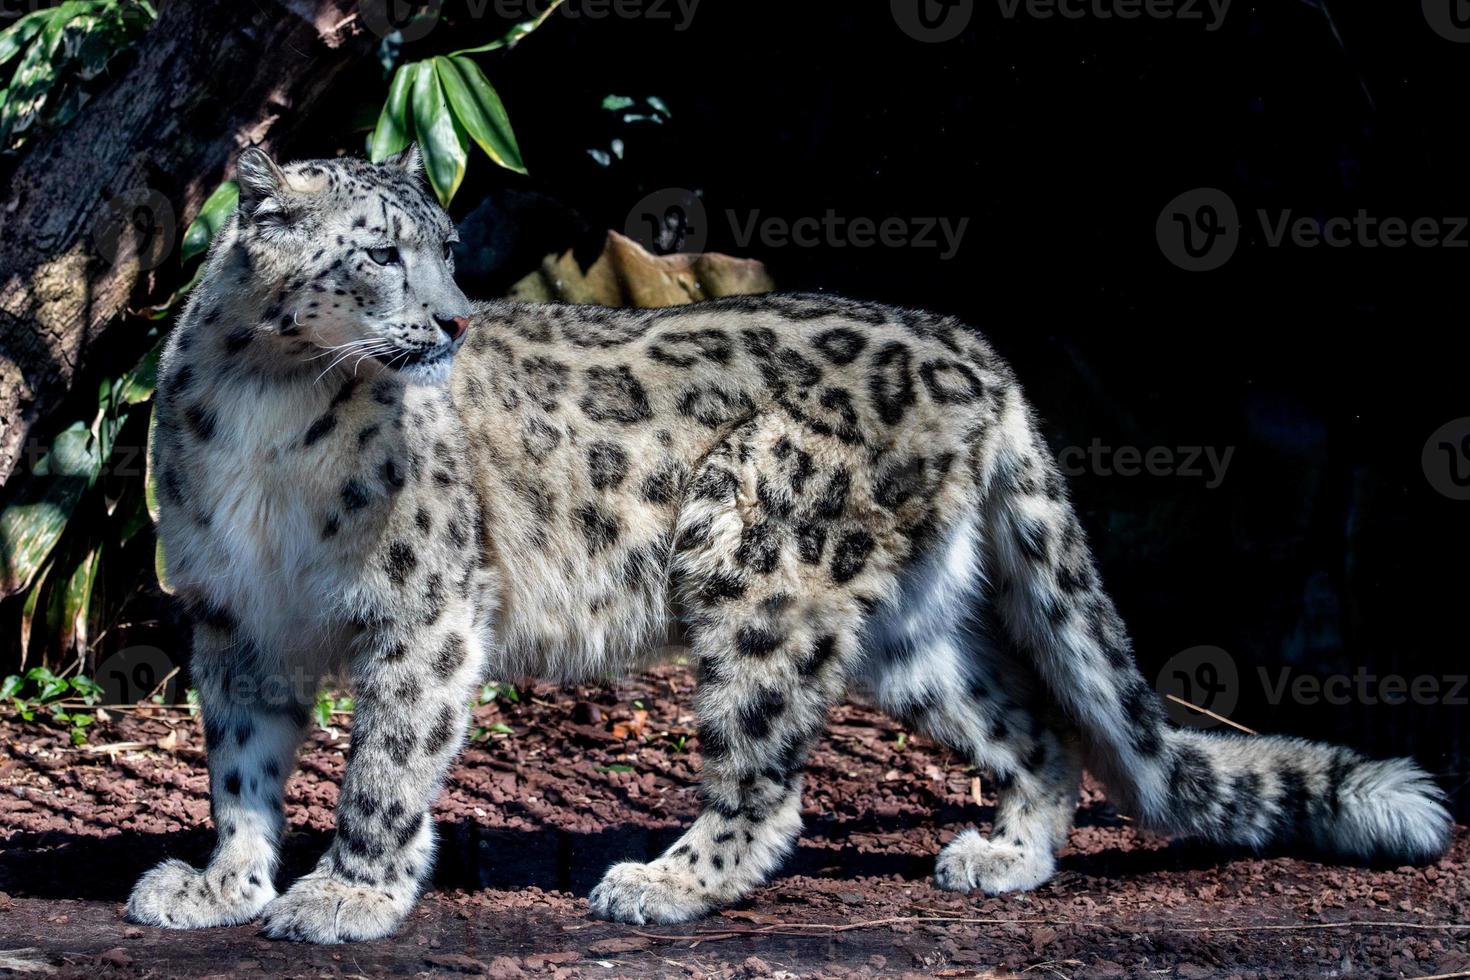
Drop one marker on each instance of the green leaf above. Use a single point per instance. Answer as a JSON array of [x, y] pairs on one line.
[[18, 35], [617, 103], [150, 489], [138, 385], [77, 600], [479, 110], [501, 728], [212, 217], [515, 35], [11, 686], [440, 137], [43, 504], [323, 710], [395, 126], [89, 689], [28, 611], [132, 513], [33, 80]]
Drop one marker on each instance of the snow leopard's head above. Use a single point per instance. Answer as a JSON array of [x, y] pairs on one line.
[[353, 261]]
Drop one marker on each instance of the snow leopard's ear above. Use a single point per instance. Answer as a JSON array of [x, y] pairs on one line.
[[409, 160], [260, 179]]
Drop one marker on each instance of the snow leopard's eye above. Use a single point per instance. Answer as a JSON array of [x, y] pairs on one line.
[[384, 256], [448, 251]]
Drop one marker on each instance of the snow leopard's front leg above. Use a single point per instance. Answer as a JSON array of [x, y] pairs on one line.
[[412, 686], [255, 710]]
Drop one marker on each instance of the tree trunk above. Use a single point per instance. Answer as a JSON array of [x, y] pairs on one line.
[[94, 206]]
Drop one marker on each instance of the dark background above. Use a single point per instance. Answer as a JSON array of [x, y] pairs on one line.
[[1325, 549]]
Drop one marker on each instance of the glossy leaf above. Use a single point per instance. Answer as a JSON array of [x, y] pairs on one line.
[[33, 523], [440, 137], [150, 491], [478, 108], [28, 613], [77, 601], [138, 385], [160, 569], [395, 125], [15, 37], [212, 217]]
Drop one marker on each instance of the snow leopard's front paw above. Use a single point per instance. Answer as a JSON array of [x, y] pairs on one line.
[[971, 862], [321, 909], [644, 894], [176, 896]]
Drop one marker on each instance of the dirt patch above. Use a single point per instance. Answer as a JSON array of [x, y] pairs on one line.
[[589, 776]]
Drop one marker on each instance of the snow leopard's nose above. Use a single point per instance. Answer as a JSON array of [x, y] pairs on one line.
[[454, 326]]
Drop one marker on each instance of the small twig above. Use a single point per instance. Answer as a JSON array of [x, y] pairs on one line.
[[161, 685], [113, 747], [1207, 711]]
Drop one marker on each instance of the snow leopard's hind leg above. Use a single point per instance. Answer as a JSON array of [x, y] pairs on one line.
[[778, 574], [1251, 790], [936, 664], [255, 713]]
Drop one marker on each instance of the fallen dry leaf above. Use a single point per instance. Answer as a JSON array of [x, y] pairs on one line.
[[627, 274]]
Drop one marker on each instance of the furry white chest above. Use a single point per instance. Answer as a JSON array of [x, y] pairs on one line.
[[259, 548]]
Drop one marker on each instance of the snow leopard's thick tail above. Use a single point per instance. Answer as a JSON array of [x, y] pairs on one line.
[[1230, 789]]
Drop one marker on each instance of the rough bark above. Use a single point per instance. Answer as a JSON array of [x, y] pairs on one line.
[[209, 78]]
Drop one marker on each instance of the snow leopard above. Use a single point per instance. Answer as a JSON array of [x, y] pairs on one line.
[[361, 473]]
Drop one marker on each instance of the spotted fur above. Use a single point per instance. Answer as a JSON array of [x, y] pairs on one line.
[[819, 495]]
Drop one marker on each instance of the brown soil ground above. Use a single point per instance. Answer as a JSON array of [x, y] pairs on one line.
[[531, 819]]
